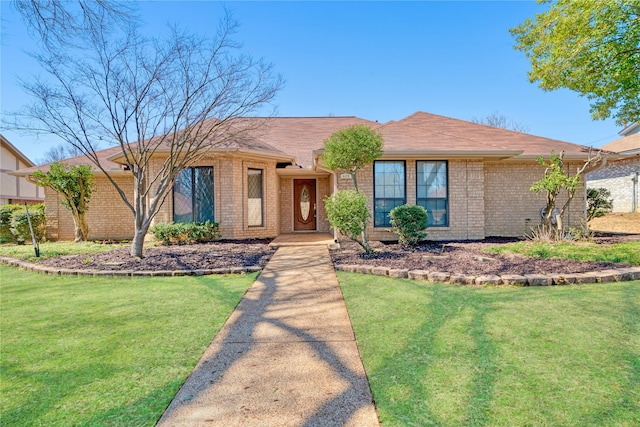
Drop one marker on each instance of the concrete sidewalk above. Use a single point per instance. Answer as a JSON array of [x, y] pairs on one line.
[[287, 356]]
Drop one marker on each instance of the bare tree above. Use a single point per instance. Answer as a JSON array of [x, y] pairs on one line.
[[498, 120], [58, 153], [172, 99]]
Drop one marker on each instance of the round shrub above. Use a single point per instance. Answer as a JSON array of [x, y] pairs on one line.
[[347, 211], [409, 222], [6, 212], [20, 224]]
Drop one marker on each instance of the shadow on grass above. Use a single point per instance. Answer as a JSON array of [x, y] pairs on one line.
[[404, 375]]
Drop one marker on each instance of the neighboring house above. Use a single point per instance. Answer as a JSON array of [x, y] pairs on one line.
[[16, 189], [473, 180], [620, 176]]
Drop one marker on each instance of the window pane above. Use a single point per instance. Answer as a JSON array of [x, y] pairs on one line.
[[389, 185], [203, 178], [431, 191], [193, 195], [182, 197], [254, 190]]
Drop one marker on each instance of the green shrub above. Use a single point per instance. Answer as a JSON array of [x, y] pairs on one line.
[[599, 202], [186, 232], [409, 222], [20, 224], [347, 211], [6, 212]]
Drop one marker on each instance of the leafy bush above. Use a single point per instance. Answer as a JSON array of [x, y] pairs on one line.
[[20, 224], [6, 212], [409, 222], [347, 212], [599, 202], [186, 232]]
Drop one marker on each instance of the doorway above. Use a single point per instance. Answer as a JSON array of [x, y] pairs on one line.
[[304, 204]]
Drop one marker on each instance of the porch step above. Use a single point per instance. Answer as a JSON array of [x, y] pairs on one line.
[[305, 239]]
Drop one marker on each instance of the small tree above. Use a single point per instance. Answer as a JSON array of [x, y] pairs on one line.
[[409, 223], [75, 184], [352, 148], [599, 202], [556, 180], [347, 211]]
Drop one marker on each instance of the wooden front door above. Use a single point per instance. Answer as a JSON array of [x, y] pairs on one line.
[[304, 204]]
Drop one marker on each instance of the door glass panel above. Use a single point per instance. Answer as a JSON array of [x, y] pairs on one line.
[[305, 203]]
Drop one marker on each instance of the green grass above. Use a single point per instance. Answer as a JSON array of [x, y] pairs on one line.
[[628, 252], [54, 249], [450, 355], [103, 351]]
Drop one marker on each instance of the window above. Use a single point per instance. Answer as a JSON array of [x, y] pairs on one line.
[[432, 191], [254, 194], [193, 195], [389, 190]]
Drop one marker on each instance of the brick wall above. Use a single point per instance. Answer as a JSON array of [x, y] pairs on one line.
[[511, 208], [286, 204], [485, 199], [108, 217], [618, 177]]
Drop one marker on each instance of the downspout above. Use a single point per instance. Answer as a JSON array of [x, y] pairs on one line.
[[634, 194]]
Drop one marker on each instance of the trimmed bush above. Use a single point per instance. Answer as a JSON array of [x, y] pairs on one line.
[[347, 211], [599, 202], [6, 212], [20, 224], [409, 222], [186, 232]]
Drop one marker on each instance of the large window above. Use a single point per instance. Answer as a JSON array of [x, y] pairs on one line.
[[431, 190], [255, 199], [389, 190], [193, 195]]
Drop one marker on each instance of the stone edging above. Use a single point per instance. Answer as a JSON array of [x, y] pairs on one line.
[[613, 275], [74, 272]]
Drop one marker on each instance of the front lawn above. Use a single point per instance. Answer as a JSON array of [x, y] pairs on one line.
[[56, 249], [462, 356], [103, 350], [628, 252]]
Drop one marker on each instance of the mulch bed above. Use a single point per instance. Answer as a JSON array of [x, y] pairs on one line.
[[226, 254], [451, 257], [461, 258]]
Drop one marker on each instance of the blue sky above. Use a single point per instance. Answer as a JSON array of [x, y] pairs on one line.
[[376, 60]]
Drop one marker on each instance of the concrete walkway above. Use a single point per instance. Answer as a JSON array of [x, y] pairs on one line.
[[287, 356]]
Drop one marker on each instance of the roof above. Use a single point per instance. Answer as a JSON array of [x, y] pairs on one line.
[[631, 129], [623, 145], [296, 139], [12, 148], [430, 131]]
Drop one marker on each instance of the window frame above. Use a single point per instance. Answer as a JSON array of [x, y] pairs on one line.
[[261, 197], [192, 173], [426, 199], [404, 200]]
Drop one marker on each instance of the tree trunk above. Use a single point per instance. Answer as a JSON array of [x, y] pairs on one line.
[[137, 245], [81, 228]]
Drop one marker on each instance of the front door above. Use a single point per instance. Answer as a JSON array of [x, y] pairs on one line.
[[304, 204]]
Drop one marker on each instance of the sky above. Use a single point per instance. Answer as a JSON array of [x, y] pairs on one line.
[[375, 60]]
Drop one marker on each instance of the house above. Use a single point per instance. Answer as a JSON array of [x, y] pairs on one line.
[[620, 176], [16, 189], [473, 180]]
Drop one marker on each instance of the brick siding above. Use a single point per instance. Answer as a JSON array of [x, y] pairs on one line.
[[618, 177], [108, 216]]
